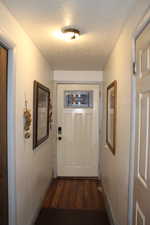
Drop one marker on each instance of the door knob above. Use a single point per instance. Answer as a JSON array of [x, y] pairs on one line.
[[59, 138]]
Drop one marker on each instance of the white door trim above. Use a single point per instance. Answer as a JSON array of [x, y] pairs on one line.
[[145, 20], [5, 39], [100, 112]]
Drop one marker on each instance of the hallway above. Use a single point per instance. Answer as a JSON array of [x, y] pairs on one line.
[[73, 202], [75, 106]]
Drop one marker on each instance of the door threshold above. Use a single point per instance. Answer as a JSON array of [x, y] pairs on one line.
[[79, 178]]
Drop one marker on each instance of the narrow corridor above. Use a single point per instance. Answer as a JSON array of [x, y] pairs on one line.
[[74, 105], [73, 202]]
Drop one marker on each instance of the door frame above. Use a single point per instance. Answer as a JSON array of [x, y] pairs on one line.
[[140, 27], [100, 84], [9, 43]]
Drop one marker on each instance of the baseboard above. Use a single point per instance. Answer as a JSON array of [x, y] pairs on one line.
[[35, 215], [109, 210]]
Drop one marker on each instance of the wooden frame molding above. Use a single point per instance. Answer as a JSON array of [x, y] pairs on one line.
[[38, 86], [111, 114]]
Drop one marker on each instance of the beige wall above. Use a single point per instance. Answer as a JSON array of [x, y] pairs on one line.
[[33, 168], [115, 169], [78, 76]]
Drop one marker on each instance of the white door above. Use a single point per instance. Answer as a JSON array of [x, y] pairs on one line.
[[78, 130], [142, 156]]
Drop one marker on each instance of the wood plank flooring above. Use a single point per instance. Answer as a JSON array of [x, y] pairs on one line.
[[72, 217], [73, 202], [74, 194]]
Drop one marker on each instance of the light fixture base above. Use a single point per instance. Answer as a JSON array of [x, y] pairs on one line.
[[71, 33]]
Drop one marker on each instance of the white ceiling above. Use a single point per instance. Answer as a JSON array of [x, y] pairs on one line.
[[100, 23]]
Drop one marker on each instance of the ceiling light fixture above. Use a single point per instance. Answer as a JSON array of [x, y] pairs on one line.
[[71, 34]]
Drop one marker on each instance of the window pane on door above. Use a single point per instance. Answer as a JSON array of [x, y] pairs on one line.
[[78, 99]]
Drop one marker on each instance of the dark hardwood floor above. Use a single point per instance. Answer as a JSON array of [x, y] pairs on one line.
[[74, 194], [73, 202]]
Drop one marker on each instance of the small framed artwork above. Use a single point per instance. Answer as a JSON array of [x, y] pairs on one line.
[[111, 116], [41, 107]]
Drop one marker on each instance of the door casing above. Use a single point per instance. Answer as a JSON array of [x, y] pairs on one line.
[[100, 113], [9, 42], [137, 32], [4, 149]]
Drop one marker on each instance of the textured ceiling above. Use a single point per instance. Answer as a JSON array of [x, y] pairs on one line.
[[100, 23]]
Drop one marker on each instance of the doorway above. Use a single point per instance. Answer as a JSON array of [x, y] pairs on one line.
[[78, 130], [3, 137]]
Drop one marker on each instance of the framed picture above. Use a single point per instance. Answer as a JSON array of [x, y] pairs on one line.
[[111, 116], [41, 107]]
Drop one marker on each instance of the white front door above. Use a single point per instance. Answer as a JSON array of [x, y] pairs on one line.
[[78, 130], [142, 153]]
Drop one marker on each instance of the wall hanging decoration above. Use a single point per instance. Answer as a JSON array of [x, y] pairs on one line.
[[111, 116], [41, 106], [27, 121]]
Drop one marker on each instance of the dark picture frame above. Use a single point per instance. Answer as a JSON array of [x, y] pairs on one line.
[[111, 108], [41, 107]]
